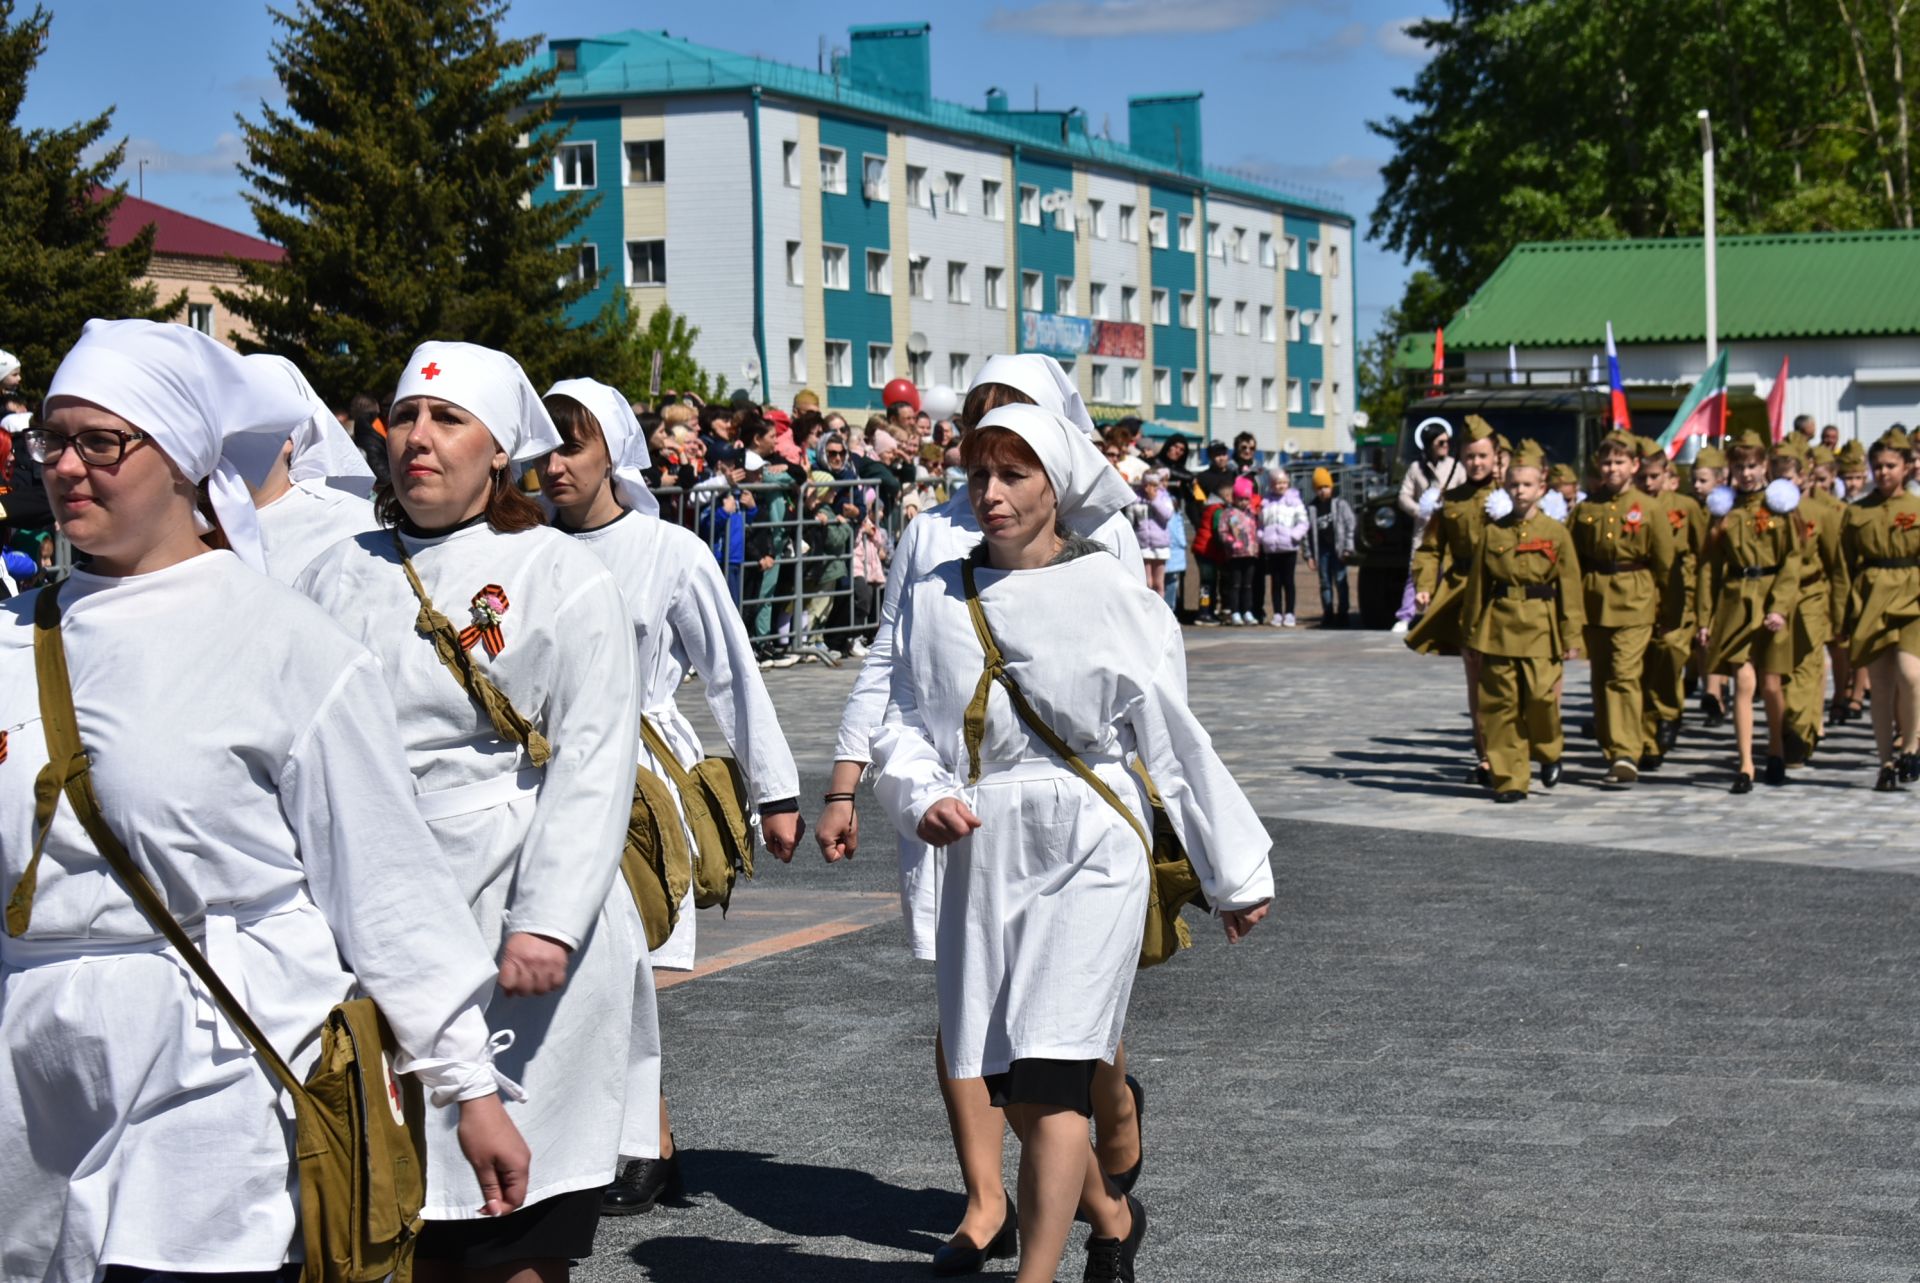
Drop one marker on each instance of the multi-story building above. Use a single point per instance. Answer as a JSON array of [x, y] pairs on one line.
[[834, 229], [193, 255]]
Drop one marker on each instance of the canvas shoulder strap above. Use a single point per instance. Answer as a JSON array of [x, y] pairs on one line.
[[68, 771], [975, 721], [507, 720]]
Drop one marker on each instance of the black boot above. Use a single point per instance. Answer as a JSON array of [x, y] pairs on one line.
[[642, 1183], [1667, 735], [1110, 1260], [1776, 771]]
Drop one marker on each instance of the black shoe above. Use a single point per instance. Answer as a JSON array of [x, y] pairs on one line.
[[1549, 774], [1797, 749], [1742, 783], [1909, 767], [1837, 712], [962, 1257], [1125, 1181], [1889, 781], [1651, 762], [1713, 710], [1667, 735], [641, 1184], [1510, 795], [1483, 775], [1110, 1260], [1855, 710], [1775, 773]]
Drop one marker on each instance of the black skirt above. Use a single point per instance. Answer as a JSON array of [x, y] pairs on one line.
[[1064, 1084], [557, 1228]]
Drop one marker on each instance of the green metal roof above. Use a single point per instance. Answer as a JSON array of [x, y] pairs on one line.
[[629, 63], [1817, 285]]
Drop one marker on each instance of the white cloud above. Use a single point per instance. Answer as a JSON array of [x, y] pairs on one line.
[[1389, 38], [1093, 18], [1341, 170], [1396, 41], [223, 157]]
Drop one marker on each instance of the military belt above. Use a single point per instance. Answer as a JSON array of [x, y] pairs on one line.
[[1532, 592], [1617, 567], [1893, 563], [1752, 572]]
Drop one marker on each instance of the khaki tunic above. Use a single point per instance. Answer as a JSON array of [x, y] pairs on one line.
[[1442, 564], [1882, 603], [1623, 608], [1734, 606], [1823, 597]]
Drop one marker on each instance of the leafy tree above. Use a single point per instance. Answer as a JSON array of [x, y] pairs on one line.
[[669, 333], [56, 269], [1576, 119], [401, 178], [1384, 388]]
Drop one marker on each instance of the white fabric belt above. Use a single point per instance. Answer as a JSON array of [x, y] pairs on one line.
[[1042, 768], [483, 796]]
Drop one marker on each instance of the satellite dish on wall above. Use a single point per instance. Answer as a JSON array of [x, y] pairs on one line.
[[1290, 445], [750, 369], [917, 344]]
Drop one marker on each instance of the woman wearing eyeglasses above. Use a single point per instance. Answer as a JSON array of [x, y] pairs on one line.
[[244, 751]]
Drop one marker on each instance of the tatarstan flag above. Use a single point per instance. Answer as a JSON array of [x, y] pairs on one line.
[[1704, 411]]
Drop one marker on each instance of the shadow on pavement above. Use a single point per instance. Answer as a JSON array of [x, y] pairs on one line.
[[705, 1258], [809, 1201]]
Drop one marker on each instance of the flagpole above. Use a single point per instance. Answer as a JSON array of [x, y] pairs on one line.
[[1713, 290]]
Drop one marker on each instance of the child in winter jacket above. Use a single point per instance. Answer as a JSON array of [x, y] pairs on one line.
[[1151, 526], [1236, 542], [1283, 528]]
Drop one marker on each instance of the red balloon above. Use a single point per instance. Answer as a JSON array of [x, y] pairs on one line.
[[898, 391]]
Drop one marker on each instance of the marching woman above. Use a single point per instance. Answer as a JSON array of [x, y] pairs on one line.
[[519, 730], [1880, 543], [683, 619], [936, 536], [316, 494], [243, 751], [1044, 888]]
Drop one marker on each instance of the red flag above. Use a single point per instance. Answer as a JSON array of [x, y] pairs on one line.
[[1777, 404], [1439, 362]]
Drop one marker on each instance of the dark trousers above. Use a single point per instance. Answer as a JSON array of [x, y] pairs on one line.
[[1237, 585], [1276, 568], [1333, 583]]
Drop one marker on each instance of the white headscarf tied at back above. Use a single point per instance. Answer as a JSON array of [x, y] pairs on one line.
[[626, 443], [1087, 488], [9, 364], [1041, 378], [322, 450], [221, 418], [490, 386]]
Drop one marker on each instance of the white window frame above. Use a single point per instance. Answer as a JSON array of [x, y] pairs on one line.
[[1269, 399], [1240, 250], [1097, 381], [571, 148], [1267, 258], [1189, 315], [1313, 257], [959, 289], [583, 251], [953, 193], [1097, 219], [1315, 328], [1063, 217], [1063, 300], [1157, 228], [833, 170], [1293, 325], [1097, 300], [1033, 292], [1159, 304], [993, 206], [874, 182], [879, 364], [1186, 233], [1216, 319], [922, 288], [1293, 396], [917, 187], [1332, 261], [1317, 396], [796, 263], [1029, 205], [879, 275], [200, 317], [626, 161], [1129, 385], [1162, 385], [797, 361], [995, 283], [917, 368], [1129, 224], [1293, 253], [1240, 325], [1266, 323], [1189, 388], [1333, 330], [1216, 245], [1242, 392], [1217, 391], [790, 163], [957, 370], [647, 240], [1130, 304], [839, 353], [829, 279]]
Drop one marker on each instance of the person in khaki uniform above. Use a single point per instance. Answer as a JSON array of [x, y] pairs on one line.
[[1748, 589], [1823, 599], [1708, 473], [1880, 543], [1664, 684], [1850, 465], [1626, 559], [1824, 475], [1523, 607], [1442, 565]]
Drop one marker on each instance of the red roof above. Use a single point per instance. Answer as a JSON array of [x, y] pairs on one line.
[[183, 234]]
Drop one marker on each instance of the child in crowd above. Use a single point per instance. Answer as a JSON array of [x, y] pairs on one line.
[[1881, 546], [1238, 533], [1663, 688], [1283, 528], [1330, 532], [1749, 586], [1151, 527], [1176, 557], [1709, 473], [1523, 616], [1823, 590]]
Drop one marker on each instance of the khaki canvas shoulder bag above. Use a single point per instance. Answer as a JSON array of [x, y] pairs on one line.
[[655, 850], [714, 796], [359, 1144], [1172, 882]]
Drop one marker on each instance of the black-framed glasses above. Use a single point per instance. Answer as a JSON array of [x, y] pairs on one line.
[[97, 447]]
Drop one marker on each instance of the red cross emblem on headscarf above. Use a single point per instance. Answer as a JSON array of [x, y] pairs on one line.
[[430, 369]]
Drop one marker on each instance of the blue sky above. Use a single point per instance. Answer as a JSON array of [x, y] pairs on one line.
[[1288, 83]]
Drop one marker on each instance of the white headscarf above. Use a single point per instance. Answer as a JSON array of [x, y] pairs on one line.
[[1087, 488], [626, 443], [8, 364], [1041, 378], [322, 450], [221, 418], [490, 386]]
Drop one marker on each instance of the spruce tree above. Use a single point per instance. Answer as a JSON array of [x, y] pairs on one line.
[[56, 269], [400, 178]]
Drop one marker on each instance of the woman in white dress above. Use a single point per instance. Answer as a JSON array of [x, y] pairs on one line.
[[244, 751], [316, 494], [683, 619], [1045, 884], [941, 534], [526, 781]]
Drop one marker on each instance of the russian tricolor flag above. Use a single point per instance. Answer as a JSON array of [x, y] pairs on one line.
[[1622, 421]]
